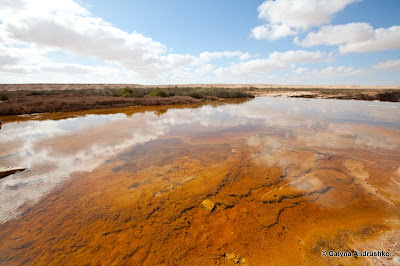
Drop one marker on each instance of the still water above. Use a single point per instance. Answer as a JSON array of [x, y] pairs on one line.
[[288, 179]]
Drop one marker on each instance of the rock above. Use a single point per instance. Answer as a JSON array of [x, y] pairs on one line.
[[208, 205], [235, 259], [6, 171], [230, 256]]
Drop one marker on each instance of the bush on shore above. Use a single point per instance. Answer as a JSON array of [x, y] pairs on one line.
[[126, 92], [157, 92]]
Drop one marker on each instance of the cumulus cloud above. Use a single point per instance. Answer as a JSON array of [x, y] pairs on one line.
[[34, 65], [287, 17], [339, 34], [335, 71], [390, 65], [271, 32], [301, 70], [15, 55], [69, 27], [64, 25], [299, 56], [383, 39], [209, 56], [30, 31], [275, 61], [347, 71], [354, 38]]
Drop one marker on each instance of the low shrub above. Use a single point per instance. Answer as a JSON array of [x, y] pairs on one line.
[[157, 92], [51, 92], [393, 96], [140, 93], [36, 93], [196, 94], [126, 92]]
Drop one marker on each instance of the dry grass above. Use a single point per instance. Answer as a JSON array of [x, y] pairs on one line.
[[15, 102], [30, 104]]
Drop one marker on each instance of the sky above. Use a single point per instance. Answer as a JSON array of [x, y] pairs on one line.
[[349, 42]]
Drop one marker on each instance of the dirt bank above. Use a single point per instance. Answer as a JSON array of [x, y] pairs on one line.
[[66, 103], [41, 98], [342, 94], [16, 99]]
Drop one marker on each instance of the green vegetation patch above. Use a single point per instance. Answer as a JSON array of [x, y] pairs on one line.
[[127, 92], [157, 92]]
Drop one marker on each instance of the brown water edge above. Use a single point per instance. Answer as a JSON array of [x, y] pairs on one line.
[[128, 111], [144, 207]]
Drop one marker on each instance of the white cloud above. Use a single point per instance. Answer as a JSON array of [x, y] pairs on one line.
[[354, 38], [65, 25], [347, 71], [383, 39], [301, 13], [339, 34], [205, 69], [332, 71], [390, 65], [271, 32], [34, 65], [301, 70], [17, 55], [44, 25], [84, 35], [209, 56], [287, 17], [76, 69], [56, 72], [275, 61], [299, 56], [30, 31], [245, 56]]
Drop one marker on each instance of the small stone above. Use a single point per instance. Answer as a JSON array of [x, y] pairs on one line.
[[230, 256], [6, 171], [208, 205]]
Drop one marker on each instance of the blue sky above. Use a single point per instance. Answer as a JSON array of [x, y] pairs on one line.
[[226, 41]]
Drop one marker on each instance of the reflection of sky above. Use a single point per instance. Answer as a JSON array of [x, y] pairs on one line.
[[53, 149]]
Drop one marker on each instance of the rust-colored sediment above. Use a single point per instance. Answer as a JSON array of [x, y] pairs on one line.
[[146, 206]]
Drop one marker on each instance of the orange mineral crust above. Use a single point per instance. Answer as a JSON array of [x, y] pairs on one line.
[[251, 195]]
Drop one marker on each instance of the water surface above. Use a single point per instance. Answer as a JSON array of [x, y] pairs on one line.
[[289, 178]]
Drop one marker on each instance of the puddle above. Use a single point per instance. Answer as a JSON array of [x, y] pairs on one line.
[[271, 180]]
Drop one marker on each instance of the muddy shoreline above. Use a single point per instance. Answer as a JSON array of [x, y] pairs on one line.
[[17, 99], [30, 100], [344, 94], [71, 103]]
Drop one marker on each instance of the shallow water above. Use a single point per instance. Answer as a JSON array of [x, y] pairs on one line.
[[289, 178]]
